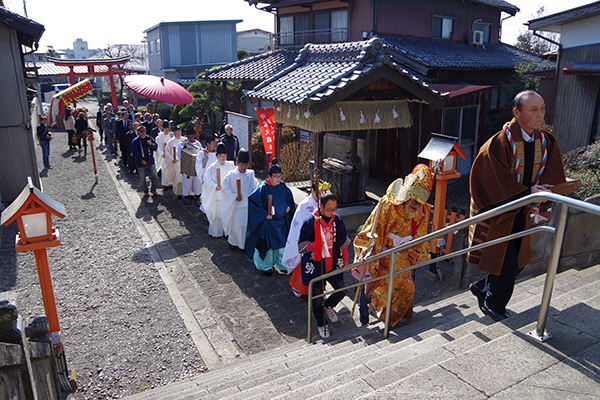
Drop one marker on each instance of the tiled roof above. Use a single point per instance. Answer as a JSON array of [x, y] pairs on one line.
[[29, 32], [440, 53], [49, 69], [501, 4], [320, 70], [257, 68]]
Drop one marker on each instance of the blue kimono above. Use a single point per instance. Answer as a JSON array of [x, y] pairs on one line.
[[268, 235]]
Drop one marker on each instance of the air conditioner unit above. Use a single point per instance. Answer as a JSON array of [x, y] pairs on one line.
[[475, 37]]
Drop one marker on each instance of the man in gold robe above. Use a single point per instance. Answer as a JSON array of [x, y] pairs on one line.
[[401, 215]]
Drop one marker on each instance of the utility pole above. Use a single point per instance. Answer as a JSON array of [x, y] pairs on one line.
[[38, 87]]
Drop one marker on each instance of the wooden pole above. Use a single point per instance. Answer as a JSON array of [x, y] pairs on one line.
[[238, 184], [319, 150], [270, 205], [41, 261]]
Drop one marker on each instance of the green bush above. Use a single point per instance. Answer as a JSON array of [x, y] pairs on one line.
[[583, 163]]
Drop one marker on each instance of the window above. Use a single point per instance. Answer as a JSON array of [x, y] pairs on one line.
[[339, 26], [317, 27], [291, 26], [441, 27], [286, 30], [494, 98], [151, 45], [485, 27], [157, 46]]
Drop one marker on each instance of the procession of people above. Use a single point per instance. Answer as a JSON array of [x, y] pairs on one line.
[[310, 240]]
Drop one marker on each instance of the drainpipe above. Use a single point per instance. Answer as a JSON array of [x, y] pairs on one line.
[[375, 12], [500, 30], [557, 70]]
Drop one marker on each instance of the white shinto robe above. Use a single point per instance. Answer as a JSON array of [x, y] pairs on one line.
[[291, 257], [189, 184], [211, 198], [235, 213], [161, 142], [171, 170]]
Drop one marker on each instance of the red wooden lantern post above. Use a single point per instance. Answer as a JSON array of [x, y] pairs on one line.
[[33, 212], [442, 153]]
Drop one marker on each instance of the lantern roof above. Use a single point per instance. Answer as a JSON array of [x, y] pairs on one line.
[[30, 194], [439, 147]]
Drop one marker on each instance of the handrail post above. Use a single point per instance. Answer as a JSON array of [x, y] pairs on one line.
[[388, 307], [309, 324], [540, 331]]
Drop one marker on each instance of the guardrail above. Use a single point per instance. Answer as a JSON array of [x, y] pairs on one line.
[[540, 333]]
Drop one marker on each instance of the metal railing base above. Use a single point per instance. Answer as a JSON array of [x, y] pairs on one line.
[[540, 338]]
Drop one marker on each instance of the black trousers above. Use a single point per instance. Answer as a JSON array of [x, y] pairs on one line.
[[498, 289], [337, 282], [124, 152]]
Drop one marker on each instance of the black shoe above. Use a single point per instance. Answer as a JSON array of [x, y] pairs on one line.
[[232, 247], [495, 315], [364, 320], [268, 273], [480, 296]]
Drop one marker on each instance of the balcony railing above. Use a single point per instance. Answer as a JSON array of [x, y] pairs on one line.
[[300, 38]]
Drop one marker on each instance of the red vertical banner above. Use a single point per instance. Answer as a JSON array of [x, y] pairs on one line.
[[266, 122]]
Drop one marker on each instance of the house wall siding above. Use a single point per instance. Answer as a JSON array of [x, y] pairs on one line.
[[577, 100], [154, 60], [578, 33], [15, 166], [413, 17]]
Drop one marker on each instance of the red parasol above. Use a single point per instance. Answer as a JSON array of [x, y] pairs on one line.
[[159, 89]]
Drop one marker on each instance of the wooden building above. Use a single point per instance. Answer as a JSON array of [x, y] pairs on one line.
[[573, 89], [454, 43], [17, 145]]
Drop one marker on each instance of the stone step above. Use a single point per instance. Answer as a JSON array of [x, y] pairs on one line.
[[463, 332], [359, 362]]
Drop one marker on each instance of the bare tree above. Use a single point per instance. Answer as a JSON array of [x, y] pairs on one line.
[[137, 58], [528, 41]]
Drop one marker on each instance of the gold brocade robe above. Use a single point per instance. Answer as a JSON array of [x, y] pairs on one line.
[[493, 181], [393, 218]]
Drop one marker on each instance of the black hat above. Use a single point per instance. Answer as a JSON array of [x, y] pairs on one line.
[[210, 138], [243, 156], [190, 131], [221, 149], [274, 168]]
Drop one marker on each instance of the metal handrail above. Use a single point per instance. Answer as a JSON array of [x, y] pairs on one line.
[[540, 332]]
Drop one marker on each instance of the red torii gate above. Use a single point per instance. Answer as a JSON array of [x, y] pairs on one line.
[[91, 70]]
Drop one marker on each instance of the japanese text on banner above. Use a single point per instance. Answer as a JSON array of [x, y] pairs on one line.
[[266, 122]]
